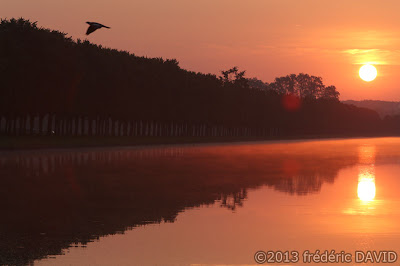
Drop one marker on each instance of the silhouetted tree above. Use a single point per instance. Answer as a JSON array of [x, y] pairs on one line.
[[304, 86]]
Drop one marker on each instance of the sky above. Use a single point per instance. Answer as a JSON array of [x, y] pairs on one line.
[[267, 38]]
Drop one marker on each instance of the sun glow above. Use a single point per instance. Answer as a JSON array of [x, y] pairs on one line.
[[368, 73], [366, 188]]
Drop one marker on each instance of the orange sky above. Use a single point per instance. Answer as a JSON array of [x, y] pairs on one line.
[[268, 38]]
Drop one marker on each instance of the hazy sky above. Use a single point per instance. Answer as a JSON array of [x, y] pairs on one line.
[[268, 38]]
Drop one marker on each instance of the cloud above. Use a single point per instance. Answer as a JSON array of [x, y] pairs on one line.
[[373, 56], [359, 51]]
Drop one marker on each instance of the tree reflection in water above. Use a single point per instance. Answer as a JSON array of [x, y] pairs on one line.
[[54, 199]]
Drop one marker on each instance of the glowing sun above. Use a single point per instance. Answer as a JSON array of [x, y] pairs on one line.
[[368, 73]]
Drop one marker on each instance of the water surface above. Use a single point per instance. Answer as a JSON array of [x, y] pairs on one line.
[[206, 204]]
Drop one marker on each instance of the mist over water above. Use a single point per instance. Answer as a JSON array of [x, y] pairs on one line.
[[203, 204]]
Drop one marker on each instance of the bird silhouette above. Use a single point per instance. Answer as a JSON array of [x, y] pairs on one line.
[[94, 26]]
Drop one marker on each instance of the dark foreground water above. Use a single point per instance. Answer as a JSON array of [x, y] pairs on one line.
[[199, 205]]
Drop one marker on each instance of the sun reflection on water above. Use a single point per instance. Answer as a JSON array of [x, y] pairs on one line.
[[365, 204], [366, 189]]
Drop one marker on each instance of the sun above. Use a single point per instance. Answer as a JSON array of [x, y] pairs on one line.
[[368, 73]]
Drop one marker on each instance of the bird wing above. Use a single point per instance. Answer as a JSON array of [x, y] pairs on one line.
[[104, 26], [91, 29]]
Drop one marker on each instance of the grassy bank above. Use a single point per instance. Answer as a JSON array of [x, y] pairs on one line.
[[44, 142]]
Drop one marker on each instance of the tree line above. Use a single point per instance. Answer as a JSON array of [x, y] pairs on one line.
[[53, 85]]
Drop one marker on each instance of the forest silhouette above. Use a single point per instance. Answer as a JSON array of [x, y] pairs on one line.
[[53, 85]]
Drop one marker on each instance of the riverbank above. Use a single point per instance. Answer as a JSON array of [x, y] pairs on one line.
[[54, 142]]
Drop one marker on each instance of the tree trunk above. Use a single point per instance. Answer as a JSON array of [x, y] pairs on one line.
[[90, 126]]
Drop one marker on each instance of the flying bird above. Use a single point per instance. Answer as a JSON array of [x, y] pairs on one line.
[[94, 26]]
